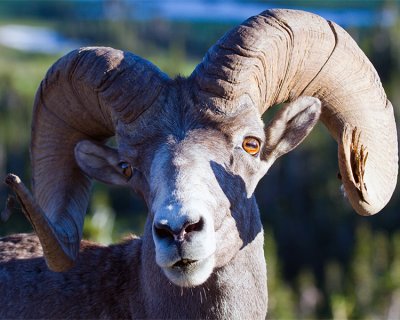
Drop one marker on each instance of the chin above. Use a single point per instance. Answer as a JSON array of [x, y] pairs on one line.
[[190, 274]]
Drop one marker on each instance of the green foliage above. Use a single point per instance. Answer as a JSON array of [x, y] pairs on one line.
[[281, 299], [367, 287]]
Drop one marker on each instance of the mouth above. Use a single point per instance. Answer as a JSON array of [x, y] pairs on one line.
[[190, 273], [185, 264]]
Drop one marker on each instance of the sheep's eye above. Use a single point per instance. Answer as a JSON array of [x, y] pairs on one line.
[[251, 145], [126, 169]]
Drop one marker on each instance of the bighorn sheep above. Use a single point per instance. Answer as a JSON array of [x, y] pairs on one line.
[[195, 149]]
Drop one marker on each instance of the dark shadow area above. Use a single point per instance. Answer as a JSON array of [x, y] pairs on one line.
[[243, 209]]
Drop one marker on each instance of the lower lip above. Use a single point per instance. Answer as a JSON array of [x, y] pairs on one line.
[[191, 274]]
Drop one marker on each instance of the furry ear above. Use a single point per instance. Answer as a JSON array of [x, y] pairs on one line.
[[100, 162], [290, 127]]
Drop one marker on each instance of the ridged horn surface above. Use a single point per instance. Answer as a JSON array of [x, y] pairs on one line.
[[83, 96], [280, 55]]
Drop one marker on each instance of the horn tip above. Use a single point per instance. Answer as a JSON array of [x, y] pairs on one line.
[[63, 266], [12, 180]]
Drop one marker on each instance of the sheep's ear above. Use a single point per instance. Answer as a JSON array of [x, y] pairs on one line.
[[100, 162], [290, 126]]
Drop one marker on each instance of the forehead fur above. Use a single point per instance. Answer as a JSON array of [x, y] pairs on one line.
[[179, 110]]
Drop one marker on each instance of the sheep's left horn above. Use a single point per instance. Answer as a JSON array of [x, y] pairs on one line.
[[280, 55]]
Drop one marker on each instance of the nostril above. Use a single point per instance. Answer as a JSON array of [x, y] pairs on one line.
[[163, 230], [198, 226]]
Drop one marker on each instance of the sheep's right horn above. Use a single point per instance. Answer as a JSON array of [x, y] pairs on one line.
[[83, 96]]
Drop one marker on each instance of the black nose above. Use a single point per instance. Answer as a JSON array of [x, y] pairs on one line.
[[164, 230]]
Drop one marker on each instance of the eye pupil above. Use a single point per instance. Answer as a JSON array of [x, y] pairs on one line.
[[251, 145], [126, 169]]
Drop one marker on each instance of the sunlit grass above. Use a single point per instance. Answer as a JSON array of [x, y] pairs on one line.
[[25, 70]]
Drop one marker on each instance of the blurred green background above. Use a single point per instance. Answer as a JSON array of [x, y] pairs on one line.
[[323, 260]]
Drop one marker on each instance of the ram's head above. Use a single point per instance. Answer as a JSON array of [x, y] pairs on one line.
[[196, 148]]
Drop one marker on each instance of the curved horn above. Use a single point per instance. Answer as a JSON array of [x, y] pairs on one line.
[[83, 96], [282, 54]]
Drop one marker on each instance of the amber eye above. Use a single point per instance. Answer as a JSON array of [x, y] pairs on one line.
[[251, 145], [126, 169]]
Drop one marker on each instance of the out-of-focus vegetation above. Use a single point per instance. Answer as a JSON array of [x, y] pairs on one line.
[[323, 260]]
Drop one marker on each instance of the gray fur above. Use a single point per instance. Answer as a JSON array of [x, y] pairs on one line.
[[187, 160]]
